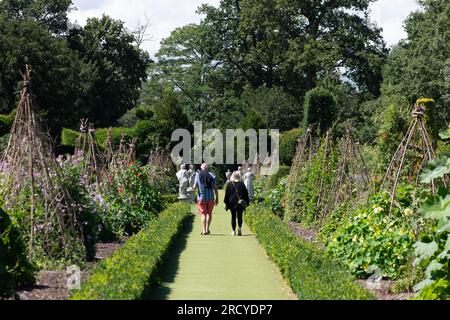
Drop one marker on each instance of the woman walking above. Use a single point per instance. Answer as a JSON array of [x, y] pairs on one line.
[[236, 200]]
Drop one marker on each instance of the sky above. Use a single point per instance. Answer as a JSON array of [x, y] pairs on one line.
[[166, 15]]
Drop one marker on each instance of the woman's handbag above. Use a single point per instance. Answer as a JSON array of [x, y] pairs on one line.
[[242, 204]]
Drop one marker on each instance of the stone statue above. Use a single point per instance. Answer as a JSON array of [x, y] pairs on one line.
[[228, 175], [191, 174], [248, 181], [183, 180], [241, 172]]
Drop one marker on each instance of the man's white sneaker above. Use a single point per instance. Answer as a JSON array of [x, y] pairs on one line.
[[233, 233]]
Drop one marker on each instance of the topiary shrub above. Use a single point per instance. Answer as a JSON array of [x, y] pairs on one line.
[[6, 121], [69, 137], [15, 270], [320, 109], [288, 144]]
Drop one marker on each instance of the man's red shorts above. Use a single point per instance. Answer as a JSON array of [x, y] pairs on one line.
[[205, 207]]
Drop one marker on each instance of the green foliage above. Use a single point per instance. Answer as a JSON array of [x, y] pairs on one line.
[[275, 179], [308, 270], [51, 14], [274, 197], [433, 249], [277, 107], [306, 197], [130, 272], [372, 236], [15, 270], [319, 110], [130, 203], [119, 68], [393, 121], [419, 65], [6, 121], [102, 136], [288, 145], [58, 73], [69, 137], [253, 120]]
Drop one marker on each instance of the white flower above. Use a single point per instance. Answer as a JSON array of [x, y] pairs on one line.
[[377, 209]]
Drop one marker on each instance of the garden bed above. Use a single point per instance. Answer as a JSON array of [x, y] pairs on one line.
[[52, 285]]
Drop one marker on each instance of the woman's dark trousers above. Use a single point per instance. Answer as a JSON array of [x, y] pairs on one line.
[[236, 213]]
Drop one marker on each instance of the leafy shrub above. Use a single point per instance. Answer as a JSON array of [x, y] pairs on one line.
[[308, 270], [128, 273], [275, 179], [319, 109], [374, 237], [274, 198], [433, 249], [6, 121], [130, 203], [393, 123], [15, 270], [288, 145]]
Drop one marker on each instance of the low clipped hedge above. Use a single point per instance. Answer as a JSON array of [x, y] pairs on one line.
[[129, 272], [311, 274], [69, 136]]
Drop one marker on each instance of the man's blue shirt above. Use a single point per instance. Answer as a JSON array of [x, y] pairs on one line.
[[205, 194]]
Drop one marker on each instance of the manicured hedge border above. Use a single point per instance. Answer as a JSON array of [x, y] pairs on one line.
[[311, 274], [129, 272]]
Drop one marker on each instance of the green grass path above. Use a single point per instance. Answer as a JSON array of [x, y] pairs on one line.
[[219, 266]]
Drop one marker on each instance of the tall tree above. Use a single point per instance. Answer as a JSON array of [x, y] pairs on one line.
[[294, 43], [51, 14], [57, 71], [119, 68], [418, 66]]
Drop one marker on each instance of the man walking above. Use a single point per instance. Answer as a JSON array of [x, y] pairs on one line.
[[208, 196]]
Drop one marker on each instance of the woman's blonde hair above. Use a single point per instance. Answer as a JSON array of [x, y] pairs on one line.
[[236, 176]]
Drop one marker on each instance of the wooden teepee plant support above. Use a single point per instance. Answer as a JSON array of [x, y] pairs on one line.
[[30, 169], [351, 174], [86, 146], [302, 158], [419, 143]]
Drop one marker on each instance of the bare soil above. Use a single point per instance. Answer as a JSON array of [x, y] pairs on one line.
[[52, 285]]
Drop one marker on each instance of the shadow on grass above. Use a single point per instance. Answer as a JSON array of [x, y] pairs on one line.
[[157, 288]]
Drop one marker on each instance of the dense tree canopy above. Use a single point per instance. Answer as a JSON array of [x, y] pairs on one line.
[[94, 72], [419, 65], [118, 68], [269, 50]]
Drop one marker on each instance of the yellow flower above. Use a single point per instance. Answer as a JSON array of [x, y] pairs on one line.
[[407, 212]]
